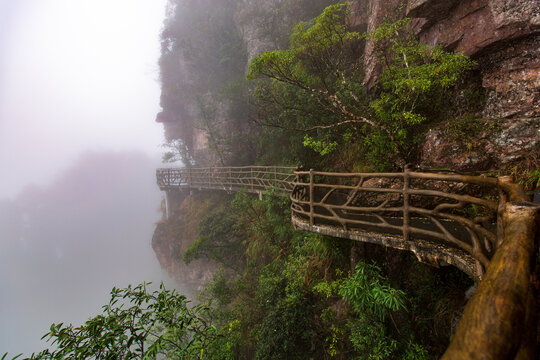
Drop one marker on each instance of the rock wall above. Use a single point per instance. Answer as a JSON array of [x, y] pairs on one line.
[[503, 36], [173, 236]]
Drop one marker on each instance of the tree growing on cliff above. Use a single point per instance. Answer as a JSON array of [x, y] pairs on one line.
[[316, 85]]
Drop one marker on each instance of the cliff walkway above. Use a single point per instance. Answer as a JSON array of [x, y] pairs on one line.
[[483, 225]]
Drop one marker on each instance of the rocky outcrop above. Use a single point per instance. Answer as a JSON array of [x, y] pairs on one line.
[[473, 26], [493, 145], [503, 36], [511, 78], [377, 12], [173, 236], [257, 21]]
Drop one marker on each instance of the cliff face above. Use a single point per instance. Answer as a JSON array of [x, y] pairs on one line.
[[503, 36], [173, 236], [206, 47]]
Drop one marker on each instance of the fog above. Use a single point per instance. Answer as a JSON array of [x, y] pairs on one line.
[[78, 152], [65, 246], [75, 75]]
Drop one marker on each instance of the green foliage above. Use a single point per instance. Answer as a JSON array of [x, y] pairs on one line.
[[315, 87], [266, 224], [283, 331], [370, 340], [319, 146], [4, 357], [219, 239], [372, 300], [266, 311], [367, 292], [220, 288], [415, 351], [533, 179], [136, 324], [528, 177], [230, 345]]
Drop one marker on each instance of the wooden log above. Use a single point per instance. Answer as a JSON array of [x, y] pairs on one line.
[[499, 320]]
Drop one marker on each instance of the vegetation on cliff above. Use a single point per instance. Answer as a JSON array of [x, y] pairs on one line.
[[315, 88], [298, 295]]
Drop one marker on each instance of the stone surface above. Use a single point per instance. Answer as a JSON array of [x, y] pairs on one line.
[[511, 77], [472, 26], [434, 10], [500, 144], [173, 237], [502, 35], [251, 19], [377, 11]]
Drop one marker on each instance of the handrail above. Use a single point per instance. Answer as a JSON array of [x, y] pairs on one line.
[[482, 225], [401, 206], [500, 320], [255, 179]]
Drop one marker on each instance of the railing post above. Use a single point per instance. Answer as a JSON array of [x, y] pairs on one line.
[[503, 199], [311, 196], [251, 177], [167, 205], [406, 215]]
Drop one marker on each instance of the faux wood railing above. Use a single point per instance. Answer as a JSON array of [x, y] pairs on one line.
[[440, 226], [254, 179], [500, 320], [482, 225]]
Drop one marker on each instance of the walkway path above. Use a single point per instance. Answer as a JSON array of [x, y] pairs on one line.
[[443, 218]]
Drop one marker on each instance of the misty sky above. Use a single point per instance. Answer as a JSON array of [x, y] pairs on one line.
[[79, 92], [75, 75], [64, 246]]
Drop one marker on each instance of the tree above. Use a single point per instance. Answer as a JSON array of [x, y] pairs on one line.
[[136, 324], [315, 86], [177, 151]]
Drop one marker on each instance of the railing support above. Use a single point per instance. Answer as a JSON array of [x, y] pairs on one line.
[[406, 215], [167, 205], [311, 196]]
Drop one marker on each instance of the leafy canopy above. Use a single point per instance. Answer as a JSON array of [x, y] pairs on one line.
[[136, 324], [316, 87]]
